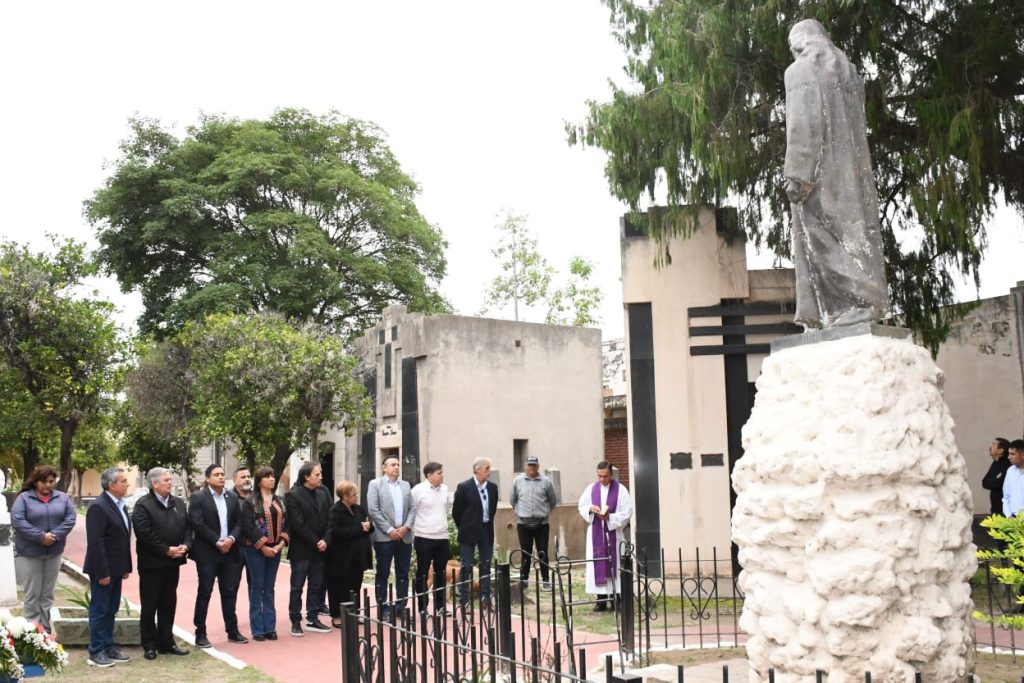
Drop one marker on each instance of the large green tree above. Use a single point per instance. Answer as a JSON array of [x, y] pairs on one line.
[[705, 123], [309, 216], [64, 349], [156, 422], [269, 386]]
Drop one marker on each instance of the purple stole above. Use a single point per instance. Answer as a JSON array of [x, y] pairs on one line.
[[603, 544]]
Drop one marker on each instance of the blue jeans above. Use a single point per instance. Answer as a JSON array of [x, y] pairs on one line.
[[103, 605], [401, 552], [262, 575], [312, 569], [486, 548]]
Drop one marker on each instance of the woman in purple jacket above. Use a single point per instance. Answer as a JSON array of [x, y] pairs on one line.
[[42, 519]]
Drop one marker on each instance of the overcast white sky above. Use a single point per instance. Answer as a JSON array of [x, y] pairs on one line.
[[473, 96]]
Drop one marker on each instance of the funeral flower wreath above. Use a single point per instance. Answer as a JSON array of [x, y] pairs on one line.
[[24, 641]]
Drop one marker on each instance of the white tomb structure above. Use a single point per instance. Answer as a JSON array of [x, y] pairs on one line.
[[853, 516]]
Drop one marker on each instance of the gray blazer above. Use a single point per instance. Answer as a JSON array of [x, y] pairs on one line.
[[381, 508]]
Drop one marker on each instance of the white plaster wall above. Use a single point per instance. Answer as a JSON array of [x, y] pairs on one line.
[[983, 386], [479, 391]]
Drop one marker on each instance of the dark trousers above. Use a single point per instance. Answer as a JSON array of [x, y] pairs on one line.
[[342, 587], [430, 552], [158, 590], [466, 550], [528, 536], [225, 571], [401, 553], [104, 602], [313, 571]]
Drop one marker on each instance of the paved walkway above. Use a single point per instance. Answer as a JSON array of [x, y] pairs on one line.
[[312, 657]]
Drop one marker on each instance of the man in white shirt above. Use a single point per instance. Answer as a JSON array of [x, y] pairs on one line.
[[430, 533], [607, 508], [1013, 483]]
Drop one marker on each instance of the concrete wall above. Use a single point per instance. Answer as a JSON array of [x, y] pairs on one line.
[[984, 388], [689, 390], [483, 383], [566, 526]]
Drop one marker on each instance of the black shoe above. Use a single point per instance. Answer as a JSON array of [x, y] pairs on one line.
[[385, 614], [101, 660], [259, 637], [117, 656], [272, 635], [325, 610], [173, 650], [316, 626], [297, 629], [202, 641], [237, 637], [601, 606], [150, 654]]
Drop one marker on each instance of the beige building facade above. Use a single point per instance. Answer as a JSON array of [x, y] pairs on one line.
[[451, 388]]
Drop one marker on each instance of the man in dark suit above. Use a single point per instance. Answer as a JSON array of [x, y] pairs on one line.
[[216, 526], [163, 537], [108, 562], [473, 508]]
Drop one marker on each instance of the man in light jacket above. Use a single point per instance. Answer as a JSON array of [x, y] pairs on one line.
[[389, 504]]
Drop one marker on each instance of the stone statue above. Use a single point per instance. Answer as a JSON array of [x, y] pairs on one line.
[[837, 243]]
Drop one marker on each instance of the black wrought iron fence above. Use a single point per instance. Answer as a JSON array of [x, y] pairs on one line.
[[470, 639], [538, 630]]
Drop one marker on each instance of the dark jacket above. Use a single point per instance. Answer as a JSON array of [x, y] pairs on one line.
[[157, 528], [107, 540], [349, 552], [468, 511], [32, 518], [270, 526], [202, 513], [993, 481], [309, 512]]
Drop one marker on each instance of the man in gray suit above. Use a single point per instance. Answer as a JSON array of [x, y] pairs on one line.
[[389, 504]]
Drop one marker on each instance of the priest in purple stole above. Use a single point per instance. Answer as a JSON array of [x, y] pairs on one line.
[[607, 508]]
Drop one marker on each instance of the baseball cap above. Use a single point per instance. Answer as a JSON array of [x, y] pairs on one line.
[[532, 460]]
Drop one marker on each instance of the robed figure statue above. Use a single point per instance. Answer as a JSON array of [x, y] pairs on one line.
[[837, 243]]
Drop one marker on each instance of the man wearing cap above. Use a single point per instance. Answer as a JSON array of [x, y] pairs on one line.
[[533, 498]]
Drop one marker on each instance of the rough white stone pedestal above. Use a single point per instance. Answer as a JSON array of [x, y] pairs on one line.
[[853, 518]]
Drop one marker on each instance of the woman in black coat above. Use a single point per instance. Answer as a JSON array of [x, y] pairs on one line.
[[349, 551]]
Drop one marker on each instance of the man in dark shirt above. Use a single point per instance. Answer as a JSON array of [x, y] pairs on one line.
[[996, 475], [308, 505], [163, 537]]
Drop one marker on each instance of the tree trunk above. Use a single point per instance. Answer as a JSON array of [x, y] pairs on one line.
[[314, 445], [280, 459], [67, 435], [29, 458], [250, 456], [79, 481], [186, 470]]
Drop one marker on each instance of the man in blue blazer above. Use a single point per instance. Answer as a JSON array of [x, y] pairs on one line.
[[216, 527], [108, 562], [473, 508]]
